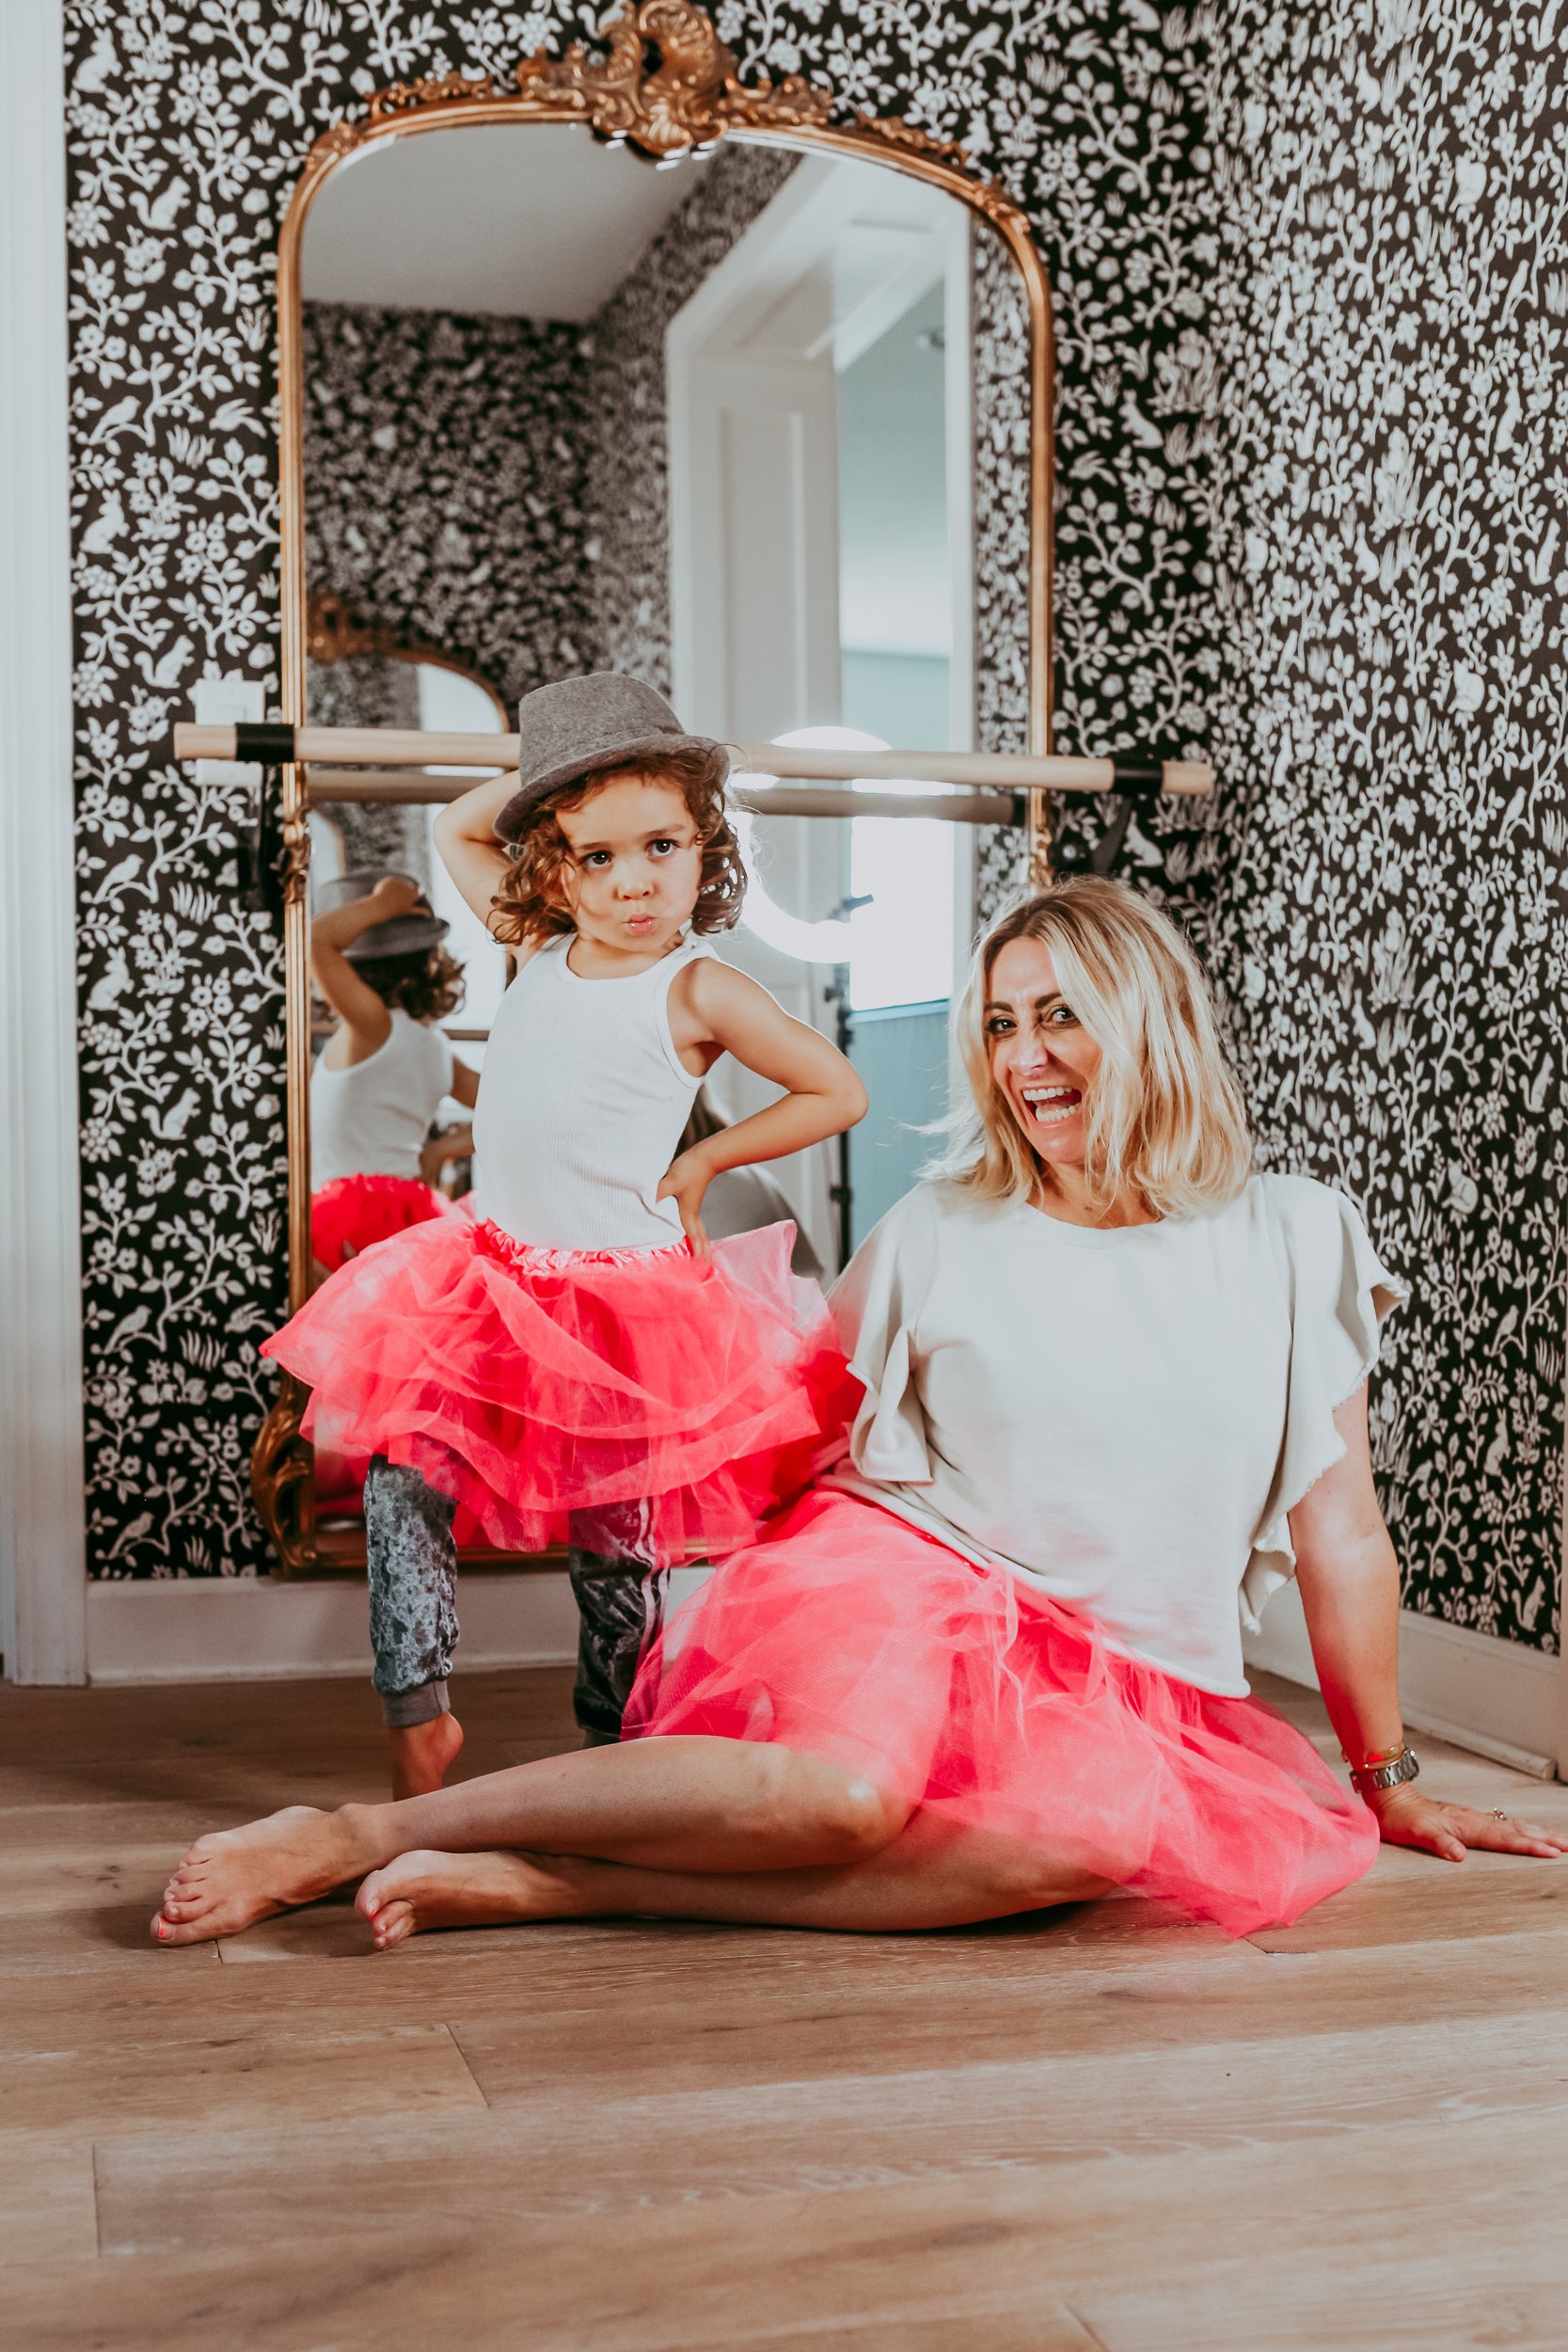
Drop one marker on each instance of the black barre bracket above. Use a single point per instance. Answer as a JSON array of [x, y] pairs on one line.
[[269, 743], [1138, 783]]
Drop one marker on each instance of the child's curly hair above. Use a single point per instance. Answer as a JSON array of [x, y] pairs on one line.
[[427, 984], [532, 903]]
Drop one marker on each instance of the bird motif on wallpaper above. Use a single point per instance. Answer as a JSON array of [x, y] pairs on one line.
[[115, 418], [1507, 424]]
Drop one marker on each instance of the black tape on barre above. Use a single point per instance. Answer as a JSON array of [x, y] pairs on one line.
[[269, 744], [1137, 777]]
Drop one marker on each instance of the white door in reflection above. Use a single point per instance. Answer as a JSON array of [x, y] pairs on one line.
[[820, 528], [904, 624]]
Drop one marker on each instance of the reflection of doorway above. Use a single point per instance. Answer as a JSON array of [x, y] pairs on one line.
[[820, 506]]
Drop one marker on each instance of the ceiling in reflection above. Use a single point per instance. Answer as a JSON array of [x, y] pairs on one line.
[[453, 222]]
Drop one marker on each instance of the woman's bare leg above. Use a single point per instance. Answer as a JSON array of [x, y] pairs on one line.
[[931, 1876], [666, 1803]]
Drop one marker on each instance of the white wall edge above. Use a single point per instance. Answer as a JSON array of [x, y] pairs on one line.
[[1560, 1745], [42, 1531], [268, 1628], [1496, 1698]]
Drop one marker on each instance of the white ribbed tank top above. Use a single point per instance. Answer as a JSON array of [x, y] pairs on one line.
[[371, 1119], [581, 1104]]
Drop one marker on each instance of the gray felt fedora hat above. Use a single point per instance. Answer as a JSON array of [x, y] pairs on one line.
[[582, 724], [404, 935]]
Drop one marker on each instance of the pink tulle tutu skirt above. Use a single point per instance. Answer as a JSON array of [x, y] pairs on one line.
[[351, 1212], [847, 1634], [534, 1385]]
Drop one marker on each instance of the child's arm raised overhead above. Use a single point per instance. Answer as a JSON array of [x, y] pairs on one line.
[[715, 1010], [465, 837], [363, 1012]]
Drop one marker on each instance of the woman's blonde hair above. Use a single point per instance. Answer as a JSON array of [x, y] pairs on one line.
[[1167, 1121]]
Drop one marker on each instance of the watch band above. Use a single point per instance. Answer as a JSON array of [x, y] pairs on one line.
[[1386, 1771]]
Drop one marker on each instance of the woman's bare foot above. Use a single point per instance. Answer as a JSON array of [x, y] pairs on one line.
[[423, 1755], [464, 1890], [233, 1877]]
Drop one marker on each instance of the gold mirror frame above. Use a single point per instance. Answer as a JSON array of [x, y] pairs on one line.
[[665, 83], [335, 632]]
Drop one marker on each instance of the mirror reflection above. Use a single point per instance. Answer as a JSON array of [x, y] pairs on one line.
[[710, 423], [431, 965], [404, 983]]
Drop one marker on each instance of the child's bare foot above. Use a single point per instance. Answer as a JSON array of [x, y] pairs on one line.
[[423, 1755], [464, 1890], [233, 1877]]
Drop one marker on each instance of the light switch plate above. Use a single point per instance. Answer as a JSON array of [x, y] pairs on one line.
[[228, 702]]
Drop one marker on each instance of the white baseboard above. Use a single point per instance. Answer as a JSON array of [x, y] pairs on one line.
[[1496, 1698], [258, 1628]]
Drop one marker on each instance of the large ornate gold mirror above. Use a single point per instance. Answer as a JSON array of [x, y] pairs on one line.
[[630, 366]]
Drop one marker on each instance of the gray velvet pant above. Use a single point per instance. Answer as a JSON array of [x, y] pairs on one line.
[[412, 1564]]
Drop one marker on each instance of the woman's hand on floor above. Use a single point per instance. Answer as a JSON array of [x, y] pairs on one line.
[[1406, 1819]]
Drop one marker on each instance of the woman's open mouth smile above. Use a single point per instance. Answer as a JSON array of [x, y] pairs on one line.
[[1049, 1105]]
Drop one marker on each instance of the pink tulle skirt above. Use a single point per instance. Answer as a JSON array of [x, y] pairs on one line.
[[847, 1634], [351, 1212], [534, 1385]]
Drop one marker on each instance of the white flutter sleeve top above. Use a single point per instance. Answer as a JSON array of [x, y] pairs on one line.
[[1125, 1417]]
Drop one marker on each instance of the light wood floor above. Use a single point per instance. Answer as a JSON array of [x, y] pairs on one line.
[[1102, 2129]]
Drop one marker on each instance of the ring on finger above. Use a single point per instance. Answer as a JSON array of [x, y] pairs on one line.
[[1497, 1814]]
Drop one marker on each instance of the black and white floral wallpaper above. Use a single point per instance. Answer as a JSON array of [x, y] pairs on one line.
[[1003, 424], [445, 468], [1390, 390], [1311, 294]]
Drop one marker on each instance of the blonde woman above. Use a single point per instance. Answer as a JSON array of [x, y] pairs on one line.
[[1116, 1389]]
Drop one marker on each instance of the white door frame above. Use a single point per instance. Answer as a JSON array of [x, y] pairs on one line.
[[714, 388], [42, 1507]]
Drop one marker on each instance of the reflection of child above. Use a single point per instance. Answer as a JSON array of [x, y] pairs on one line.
[[572, 1368], [376, 957]]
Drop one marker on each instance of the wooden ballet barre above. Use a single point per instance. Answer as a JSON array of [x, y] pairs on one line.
[[409, 787], [274, 743]]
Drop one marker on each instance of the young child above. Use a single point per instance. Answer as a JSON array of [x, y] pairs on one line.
[[376, 957], [581, 1364]]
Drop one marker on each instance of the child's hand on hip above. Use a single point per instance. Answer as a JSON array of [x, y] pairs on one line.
[[688, 1179]]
